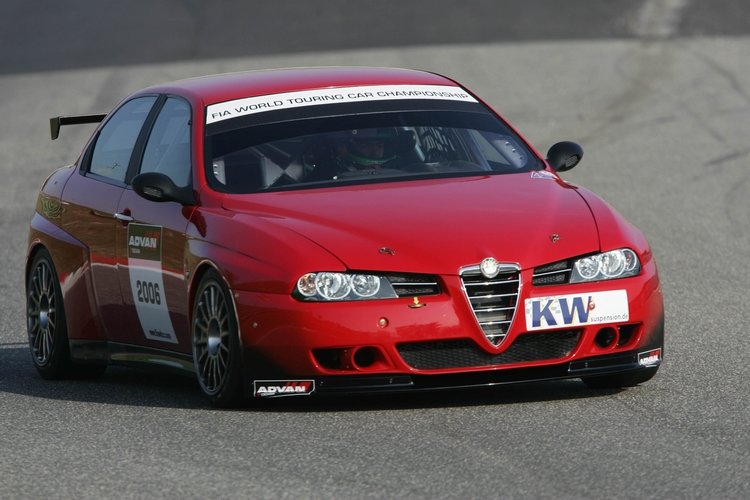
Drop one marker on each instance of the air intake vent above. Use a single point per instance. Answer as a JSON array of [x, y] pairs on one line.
[[463, 353], [493, 300], [414, 285], [552, 274]]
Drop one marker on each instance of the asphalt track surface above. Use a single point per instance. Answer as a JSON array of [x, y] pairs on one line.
[[658, 94]]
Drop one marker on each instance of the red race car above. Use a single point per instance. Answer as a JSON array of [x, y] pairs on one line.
[[330, 231]]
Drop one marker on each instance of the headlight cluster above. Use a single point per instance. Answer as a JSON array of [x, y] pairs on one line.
[[606, 266], [327, 286]]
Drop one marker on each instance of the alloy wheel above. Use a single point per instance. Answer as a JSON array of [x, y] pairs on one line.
[[211, 338], [42, 312]]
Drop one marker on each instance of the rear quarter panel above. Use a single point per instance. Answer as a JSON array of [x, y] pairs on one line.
[[69, 256]]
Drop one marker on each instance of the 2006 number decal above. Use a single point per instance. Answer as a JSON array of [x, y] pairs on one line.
[[148, 292], [147, 283]]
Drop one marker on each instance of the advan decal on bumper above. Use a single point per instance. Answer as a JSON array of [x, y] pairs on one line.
[[544, 313], [278, 388], [650, 358], [146, 282]]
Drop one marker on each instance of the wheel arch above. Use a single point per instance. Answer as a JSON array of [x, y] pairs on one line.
[[71, 262], [198, 274], [34, 248], [235, 385]]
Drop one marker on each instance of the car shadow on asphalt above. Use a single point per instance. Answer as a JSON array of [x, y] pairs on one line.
[[529, 392], [152, 388]]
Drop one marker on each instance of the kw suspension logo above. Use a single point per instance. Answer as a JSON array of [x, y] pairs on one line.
[[544, 313], [279, 388]]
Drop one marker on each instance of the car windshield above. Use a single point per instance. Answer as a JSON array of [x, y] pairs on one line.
[[363, 148]]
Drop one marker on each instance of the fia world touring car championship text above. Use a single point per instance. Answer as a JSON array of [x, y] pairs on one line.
[[240, 107]]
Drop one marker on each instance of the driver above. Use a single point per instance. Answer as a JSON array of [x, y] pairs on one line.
[[366, 149]]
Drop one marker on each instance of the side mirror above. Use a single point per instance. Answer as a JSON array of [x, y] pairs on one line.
[[158, 187], [564, 156]]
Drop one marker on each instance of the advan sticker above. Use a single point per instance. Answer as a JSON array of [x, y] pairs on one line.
[[146, 282]]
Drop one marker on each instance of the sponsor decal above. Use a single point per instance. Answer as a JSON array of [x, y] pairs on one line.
[[544, 313], [289, 100], [543, 174], [51, 208], [650, 358], [280, 388], [147, 283]]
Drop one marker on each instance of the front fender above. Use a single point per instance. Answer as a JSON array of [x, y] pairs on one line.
[[253, 254], [614, 230]]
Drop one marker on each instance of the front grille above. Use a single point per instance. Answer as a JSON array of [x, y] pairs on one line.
[[552, 274], [464, 353], [414, 285], [493, 300]]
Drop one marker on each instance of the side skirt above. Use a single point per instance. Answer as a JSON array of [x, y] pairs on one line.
[[102, 352]]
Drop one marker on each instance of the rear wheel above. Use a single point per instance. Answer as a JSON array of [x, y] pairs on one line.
[[216, 346], [620, 380], [46, 325]]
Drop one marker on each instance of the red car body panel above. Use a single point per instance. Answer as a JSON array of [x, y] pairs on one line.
[[261, 243], [406, 218], [203, 91]]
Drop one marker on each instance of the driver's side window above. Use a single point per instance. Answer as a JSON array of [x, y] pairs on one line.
[[168, 147]]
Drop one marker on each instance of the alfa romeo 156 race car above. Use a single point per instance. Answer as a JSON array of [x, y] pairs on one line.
[[332, 231]]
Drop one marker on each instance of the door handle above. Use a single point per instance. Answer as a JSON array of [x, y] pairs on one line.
[[125, 218]]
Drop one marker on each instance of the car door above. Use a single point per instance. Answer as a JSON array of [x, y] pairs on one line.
[[91, 199], [151, 242]]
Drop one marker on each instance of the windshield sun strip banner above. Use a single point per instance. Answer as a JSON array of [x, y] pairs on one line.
[[288, 100]]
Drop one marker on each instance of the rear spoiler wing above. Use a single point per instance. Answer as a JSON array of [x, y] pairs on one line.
[[56, 122]]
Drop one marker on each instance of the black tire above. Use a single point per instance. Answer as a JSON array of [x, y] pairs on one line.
[[620, 380], [46, 325], [216, 345]]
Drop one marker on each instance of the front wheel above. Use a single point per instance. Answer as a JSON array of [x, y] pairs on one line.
[[216, 345]]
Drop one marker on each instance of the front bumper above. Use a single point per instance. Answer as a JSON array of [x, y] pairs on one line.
[[385, 345], [617, 364]]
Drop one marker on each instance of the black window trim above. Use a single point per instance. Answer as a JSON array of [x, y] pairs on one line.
[[136, 159]]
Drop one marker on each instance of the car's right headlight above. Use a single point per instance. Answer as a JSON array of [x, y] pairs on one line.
[[615, 264], [330, 286]]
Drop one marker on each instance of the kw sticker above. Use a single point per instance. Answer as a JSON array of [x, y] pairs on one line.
[[288, 100], [146, 282], [544, 313], [278, 388]]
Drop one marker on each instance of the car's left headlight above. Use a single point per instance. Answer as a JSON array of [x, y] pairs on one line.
[[329, 286], [606, 266]]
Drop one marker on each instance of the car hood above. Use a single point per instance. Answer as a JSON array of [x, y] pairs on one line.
[[435, 226]]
